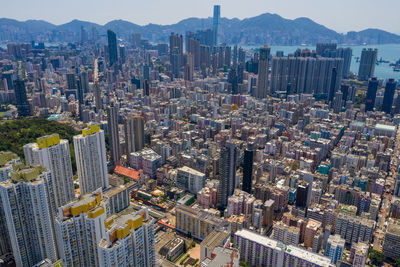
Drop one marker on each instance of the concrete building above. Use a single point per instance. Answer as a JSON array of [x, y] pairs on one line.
[[91, 161], [134, 134], [200, 223], [259, 250], [146, 160], [53, 153], [113, 132], [79, 226], [263, 69], [190, 179], [128, 240], [214, 239], [367, 64], [227, 171], [27, 203], [334, 248], [391, 244]]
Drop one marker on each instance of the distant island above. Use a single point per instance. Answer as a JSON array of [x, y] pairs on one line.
[[263, 29]]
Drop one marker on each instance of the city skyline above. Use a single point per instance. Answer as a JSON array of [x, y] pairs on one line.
[[336, 17]]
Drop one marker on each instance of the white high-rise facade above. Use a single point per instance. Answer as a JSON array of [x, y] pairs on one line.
[[79, 226], [53, 154], [91, 162], [129, 240], [26, 200]]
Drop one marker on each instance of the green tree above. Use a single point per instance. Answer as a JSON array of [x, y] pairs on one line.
[[376, 257], [397, 262]]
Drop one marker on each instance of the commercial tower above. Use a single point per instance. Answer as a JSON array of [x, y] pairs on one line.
[[134, 134], [53, 153], [26, 202], [367, 64], [91, 161], [113, 132], [216, 17], [21, 98], [389, 95], [227, 173], [247, 170], [262, 86], [112, 47], [371, 94]]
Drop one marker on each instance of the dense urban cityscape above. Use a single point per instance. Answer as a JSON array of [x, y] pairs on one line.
[[126, 152]]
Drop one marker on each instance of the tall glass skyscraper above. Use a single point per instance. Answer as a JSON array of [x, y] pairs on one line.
[[217, 15], [112, 47]]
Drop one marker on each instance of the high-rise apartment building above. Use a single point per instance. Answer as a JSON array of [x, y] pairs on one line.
[[134, 134], [91, 161], [128, 240], [79, 226], [367, 64], [297, 75], [113, 132], [389, 95], [263, 65], [371, 94], [53, 153], [112, 47], [227, 172], [27, 201]]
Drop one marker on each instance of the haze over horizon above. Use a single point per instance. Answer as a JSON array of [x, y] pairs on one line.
[[341, 16]]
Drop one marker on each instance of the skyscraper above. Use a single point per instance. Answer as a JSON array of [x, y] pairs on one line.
[[79, 226], [324, 49], [389, 95], [227, 173], [367, 64], [247, 170], [27, 202], [71, 81], [91, 160], [262, 87], [97, 97], [112, 47], [128, 240], [53, 153], [113, 131], [302, 194], [21, 98], [216, 17], [371, 94], [134, 134]]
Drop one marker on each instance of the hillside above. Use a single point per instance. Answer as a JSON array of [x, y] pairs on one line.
[[263, 29]]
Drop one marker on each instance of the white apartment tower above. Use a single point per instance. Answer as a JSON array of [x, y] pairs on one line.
[[79, 227], [91, 162], [53, 153], [26, 201]]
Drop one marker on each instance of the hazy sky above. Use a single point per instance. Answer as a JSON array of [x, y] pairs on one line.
[[339, 15]]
